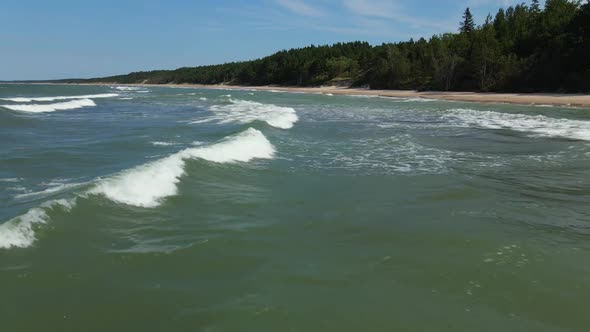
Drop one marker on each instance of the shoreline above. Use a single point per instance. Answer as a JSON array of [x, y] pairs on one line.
[[531, 99]]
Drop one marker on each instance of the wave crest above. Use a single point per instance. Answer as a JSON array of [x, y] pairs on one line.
[[536, 124], [43, 108], [147, 185], [242, 111], [30, 99], [19, 232]]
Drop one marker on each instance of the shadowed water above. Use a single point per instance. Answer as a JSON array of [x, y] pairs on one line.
[[161, 209]]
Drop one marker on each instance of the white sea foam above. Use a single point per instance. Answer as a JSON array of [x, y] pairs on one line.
[[127, 88], [539, 125], [19, 232], [203, 98], [11, 179], [53, 188], [419, 100], [147, 185], [163, 143], [41, 108], [126, 98], [30, 99], [242, 111]]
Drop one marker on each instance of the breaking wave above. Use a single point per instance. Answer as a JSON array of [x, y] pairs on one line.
[[19, 232], [242, 111], [128, 88], [536, 124], [147, 185], [30, 99], [42, 108]]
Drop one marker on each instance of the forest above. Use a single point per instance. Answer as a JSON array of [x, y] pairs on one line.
[[523, 48]]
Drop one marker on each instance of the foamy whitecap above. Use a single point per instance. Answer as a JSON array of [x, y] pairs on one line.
[[536, 124], [128, 88], [19, 232], [10, 179], [242, 111], [419, 100], [53, 188], [42, 108], [147, 185], [30, 99], [163, 143]]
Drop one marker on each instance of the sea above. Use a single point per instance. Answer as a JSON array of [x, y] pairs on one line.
[[129, 208]]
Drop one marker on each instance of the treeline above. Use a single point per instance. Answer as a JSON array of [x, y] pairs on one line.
[[524, 48]]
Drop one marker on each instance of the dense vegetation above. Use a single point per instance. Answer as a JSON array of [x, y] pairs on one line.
[[522, 48]]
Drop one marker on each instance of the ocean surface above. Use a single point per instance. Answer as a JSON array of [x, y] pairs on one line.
[[168, 209]]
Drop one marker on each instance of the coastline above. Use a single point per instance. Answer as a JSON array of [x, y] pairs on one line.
[[568, 100], [544, 99]]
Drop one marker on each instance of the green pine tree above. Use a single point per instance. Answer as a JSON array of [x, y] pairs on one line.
[[468, 24], [535, 7]]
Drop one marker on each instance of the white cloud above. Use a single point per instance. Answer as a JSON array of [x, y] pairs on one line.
[[300, 7]]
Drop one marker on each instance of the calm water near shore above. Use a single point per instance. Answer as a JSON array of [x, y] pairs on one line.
[[163, 209]]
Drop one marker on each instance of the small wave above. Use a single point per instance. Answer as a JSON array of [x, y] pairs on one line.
[[28, 100], [43, 108], [419, 100], [203, 98], [126, 98], [242, 111], [19, 232], [147, 185], [127, 88], [12, 180], [163, 143], [536, 124], [54, 187]]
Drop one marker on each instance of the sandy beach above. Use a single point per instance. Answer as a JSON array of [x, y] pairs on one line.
[[570, 100]]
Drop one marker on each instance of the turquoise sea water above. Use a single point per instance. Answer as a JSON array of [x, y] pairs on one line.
[[162, 209]]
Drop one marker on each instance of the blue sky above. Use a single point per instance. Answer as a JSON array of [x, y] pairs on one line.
[[42, 39]]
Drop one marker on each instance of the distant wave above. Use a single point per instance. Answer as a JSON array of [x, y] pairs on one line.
[[10, 179], [163, 143], [147, 185], [41, 108], [30, 99], [536, 124], [127, 88], [242, 111], [19, 232]]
